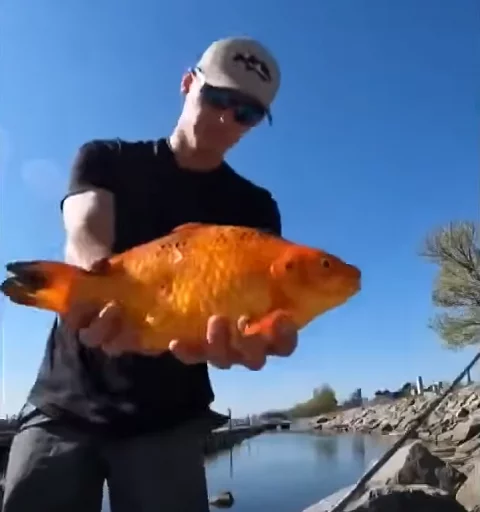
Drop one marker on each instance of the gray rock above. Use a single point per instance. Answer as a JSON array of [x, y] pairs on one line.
[[442, 451], [415, 464], [469, 493], [467, 467], [467, 429], [395, 498], [385, 427], [327, 503], [425, 436], [223, 500], [459, 406], [412, 498], [449, 462], [463, 430], [474, 405]]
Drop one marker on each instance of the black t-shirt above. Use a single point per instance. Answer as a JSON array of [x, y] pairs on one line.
[[133, 393]]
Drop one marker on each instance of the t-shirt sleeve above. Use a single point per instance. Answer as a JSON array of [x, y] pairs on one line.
[[268, 214], [93, 167]]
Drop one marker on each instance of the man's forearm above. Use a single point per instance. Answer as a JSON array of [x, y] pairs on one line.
[[89, 220]]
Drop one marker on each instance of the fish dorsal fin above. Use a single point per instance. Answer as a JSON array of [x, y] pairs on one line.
[[188, 226]]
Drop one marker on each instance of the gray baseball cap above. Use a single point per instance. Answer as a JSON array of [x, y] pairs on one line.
[[243, 64]]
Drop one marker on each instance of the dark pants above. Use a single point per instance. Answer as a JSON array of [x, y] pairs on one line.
[[52, 467]]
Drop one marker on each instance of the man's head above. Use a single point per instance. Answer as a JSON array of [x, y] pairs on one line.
[[227, 93]]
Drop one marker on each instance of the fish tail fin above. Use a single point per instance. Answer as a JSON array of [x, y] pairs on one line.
[[42, 284]]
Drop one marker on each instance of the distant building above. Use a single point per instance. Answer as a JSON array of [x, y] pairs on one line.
[[420, 388]]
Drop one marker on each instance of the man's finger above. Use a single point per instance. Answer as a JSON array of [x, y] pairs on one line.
[[252, 352], [252, 348], [280, 338], [80, 316], [258, 339], [187, 354], [254, 358], [113, 350], [106, 326], [285, 338], [126, 340], [218, 341]]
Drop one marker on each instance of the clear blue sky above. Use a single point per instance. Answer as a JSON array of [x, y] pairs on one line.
[[375, 141]]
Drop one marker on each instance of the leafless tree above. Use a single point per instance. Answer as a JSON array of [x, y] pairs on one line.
[[456, 252]]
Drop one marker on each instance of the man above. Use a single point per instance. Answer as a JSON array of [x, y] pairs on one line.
[[137, 421]]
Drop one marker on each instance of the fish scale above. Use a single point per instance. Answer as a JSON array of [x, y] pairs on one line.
[[168, 288], [224, 291], [181, 286]]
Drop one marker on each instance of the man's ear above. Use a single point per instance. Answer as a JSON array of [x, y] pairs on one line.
[[186, 82]]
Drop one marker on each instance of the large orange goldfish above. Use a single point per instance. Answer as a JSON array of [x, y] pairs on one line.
[[169, 287]]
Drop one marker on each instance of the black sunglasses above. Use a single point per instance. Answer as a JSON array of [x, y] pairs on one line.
[[246, 111]]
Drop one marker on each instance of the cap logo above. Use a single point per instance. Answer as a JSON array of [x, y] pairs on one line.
[[253, 63]]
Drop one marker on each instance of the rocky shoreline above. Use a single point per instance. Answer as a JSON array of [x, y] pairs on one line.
[[439, 470]]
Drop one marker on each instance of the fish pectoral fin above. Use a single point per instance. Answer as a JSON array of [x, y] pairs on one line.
[[267, 327]]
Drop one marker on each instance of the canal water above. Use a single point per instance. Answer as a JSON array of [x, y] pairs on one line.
[[288, 471]]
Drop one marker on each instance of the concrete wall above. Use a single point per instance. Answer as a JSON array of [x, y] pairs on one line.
[[225, 438], [220, 439]]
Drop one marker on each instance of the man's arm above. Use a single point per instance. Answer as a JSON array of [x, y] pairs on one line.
[[89, 220], [89, 206]]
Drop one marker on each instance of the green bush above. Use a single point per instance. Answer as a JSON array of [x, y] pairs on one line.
[[323, 401]]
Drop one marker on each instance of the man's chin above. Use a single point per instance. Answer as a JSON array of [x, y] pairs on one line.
[[211, 145]]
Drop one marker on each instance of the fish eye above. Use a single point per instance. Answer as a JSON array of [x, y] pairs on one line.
[[289, 265], [325, 263]]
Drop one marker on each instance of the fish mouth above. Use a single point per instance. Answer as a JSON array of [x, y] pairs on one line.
[[357, 286], [353, 287], [355, 279], [352, 291]]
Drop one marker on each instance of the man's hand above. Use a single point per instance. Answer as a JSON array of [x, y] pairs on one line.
[[106, 329], [109, 331], [251, 351]]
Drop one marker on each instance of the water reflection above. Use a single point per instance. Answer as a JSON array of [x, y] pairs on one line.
[[358, 445], [327, 447], [287, 472]]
